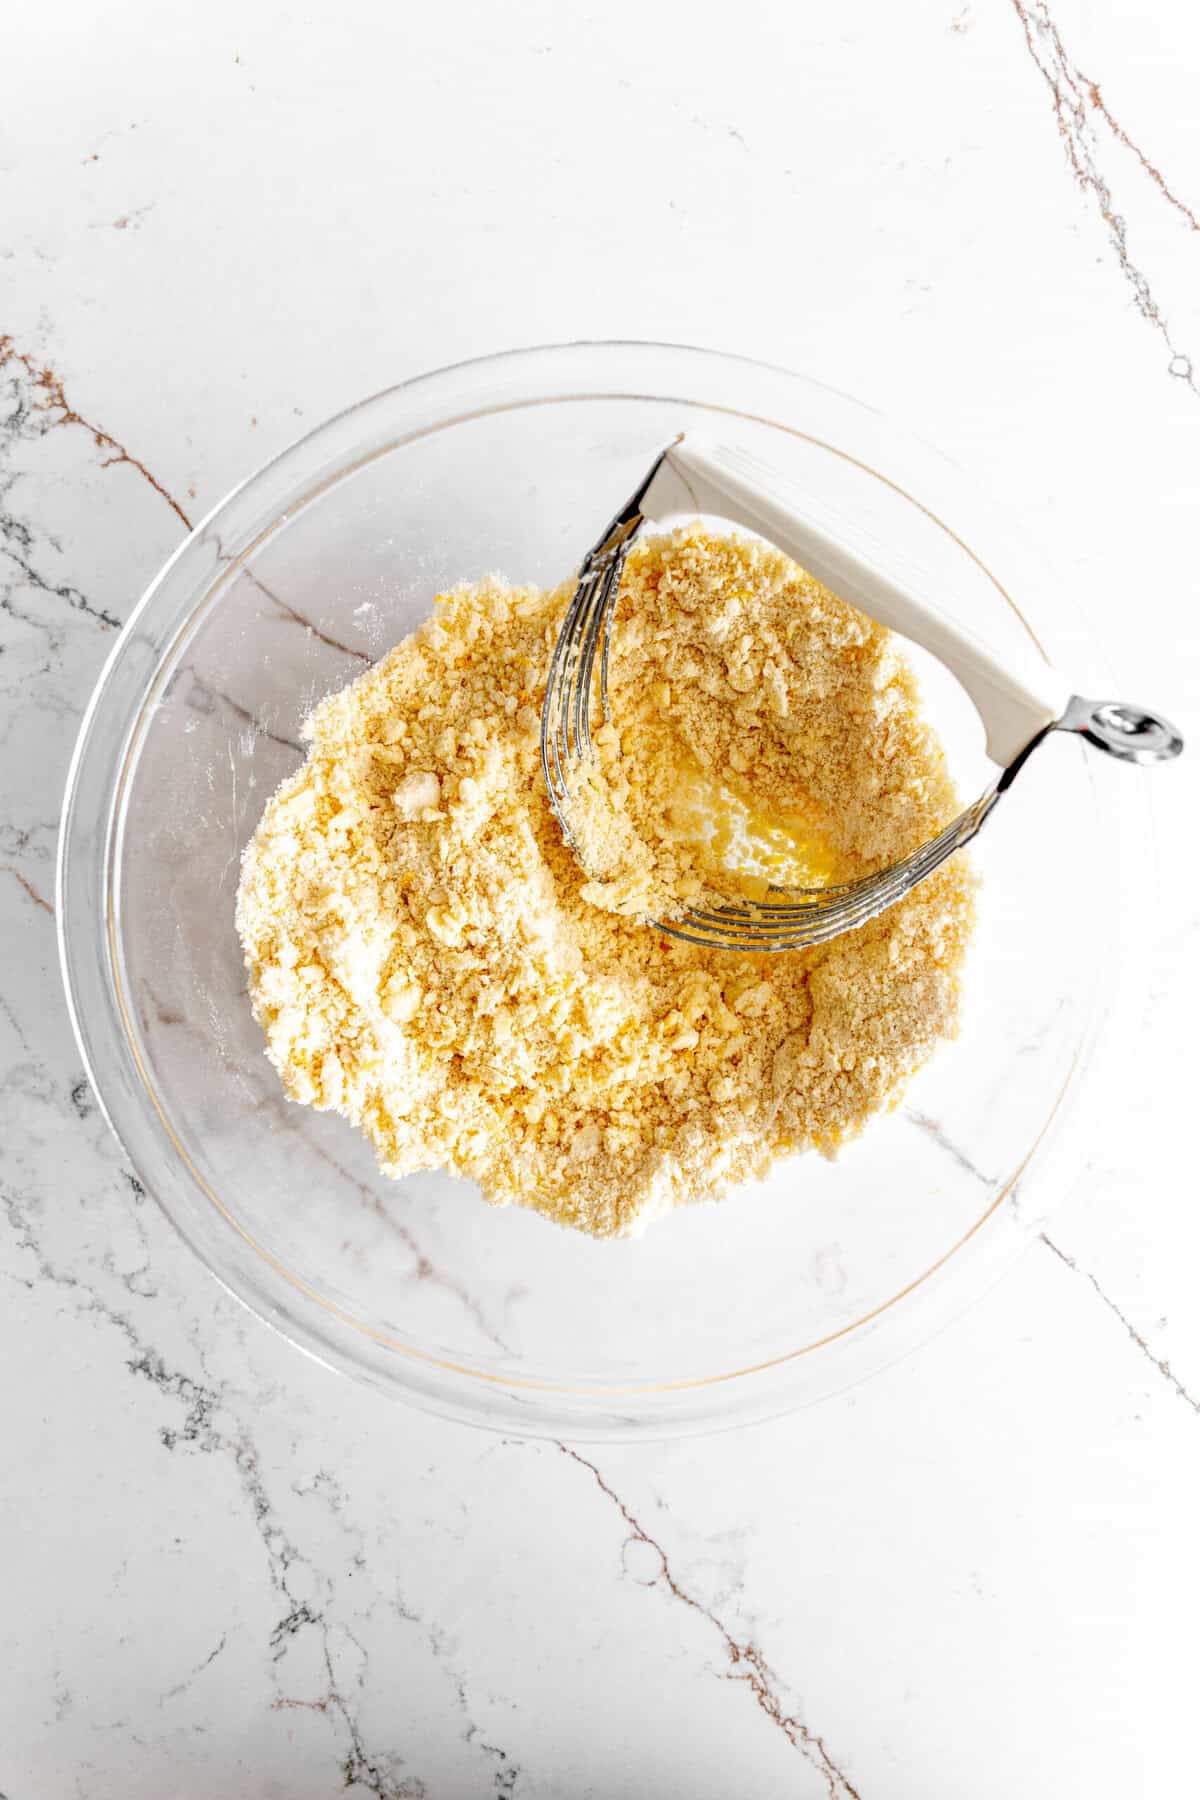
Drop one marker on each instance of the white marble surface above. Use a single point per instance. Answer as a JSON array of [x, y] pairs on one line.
[[228, 1572]]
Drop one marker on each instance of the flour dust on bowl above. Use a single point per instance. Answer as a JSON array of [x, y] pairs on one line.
[[788, 1290]]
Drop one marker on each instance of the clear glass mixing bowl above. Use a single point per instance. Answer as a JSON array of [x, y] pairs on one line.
[[779, 1295]]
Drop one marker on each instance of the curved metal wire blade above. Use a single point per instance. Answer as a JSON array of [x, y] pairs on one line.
[[792, 919]]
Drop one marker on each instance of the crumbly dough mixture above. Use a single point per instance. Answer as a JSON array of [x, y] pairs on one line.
[[427, 957], [744, 698]]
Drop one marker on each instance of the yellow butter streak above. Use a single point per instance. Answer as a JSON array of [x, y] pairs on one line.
[[742, 844]]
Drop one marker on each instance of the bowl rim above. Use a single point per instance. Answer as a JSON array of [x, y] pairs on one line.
[[301, 1331]]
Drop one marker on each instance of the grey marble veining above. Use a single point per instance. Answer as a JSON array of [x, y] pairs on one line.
[[229, 1571]]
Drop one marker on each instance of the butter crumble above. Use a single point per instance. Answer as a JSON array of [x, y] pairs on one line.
[[427, 958]]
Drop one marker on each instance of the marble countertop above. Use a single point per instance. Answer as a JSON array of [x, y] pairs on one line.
[[226, 1571]]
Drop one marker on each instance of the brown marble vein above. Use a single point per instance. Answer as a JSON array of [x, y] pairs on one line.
[[933, 1130], [286, 609], [424, 1269], [38, 900], [50, 396], [199, 685], [1159, 1362], [747, 1663], [1077, 100], [290, 612]]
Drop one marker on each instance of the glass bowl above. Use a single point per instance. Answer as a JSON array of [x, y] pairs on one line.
[[722, 1313]]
